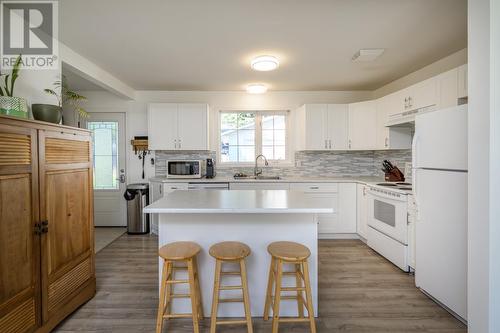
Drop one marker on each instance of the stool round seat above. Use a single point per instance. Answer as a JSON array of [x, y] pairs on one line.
[[288, 251], [179, 250], [228, 251]]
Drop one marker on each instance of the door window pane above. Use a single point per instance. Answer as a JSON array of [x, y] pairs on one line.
[[105, 147]]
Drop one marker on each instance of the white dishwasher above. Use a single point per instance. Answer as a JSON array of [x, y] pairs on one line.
[[208, 186]]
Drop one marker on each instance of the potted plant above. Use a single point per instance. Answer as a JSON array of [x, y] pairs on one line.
[[65, 96], [10, 105]]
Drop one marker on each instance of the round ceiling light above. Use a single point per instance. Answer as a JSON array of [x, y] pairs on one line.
[[256, 88], [265, 63]]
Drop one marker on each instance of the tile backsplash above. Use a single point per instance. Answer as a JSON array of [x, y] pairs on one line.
[[307, 163]]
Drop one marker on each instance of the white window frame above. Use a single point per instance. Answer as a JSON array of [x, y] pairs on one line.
[[289, 158]]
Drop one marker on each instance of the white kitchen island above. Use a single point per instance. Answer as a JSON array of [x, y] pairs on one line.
[[254, 217]]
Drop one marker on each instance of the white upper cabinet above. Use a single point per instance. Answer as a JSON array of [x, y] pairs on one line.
[[338, 116], [322, 127], [462, 81], [362, 125], [423, 94], [390, 137], [162, 126], [193, 127], [174, 126], [315, 120], [448, 89]]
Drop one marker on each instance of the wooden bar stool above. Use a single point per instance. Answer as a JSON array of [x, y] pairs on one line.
[[227, 252], [174, 253], [296, 254]]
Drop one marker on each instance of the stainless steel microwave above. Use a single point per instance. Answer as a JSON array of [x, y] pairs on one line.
[[184, 169]]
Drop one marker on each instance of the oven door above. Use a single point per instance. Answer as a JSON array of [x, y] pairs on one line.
[[388, 215]]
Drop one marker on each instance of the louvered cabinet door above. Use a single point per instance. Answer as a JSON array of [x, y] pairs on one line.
[[66, 208], [19, 245]]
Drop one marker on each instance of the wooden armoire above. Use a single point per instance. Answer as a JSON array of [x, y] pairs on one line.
[[46, 224]]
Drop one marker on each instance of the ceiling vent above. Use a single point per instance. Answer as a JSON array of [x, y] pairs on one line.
[[365, 55]]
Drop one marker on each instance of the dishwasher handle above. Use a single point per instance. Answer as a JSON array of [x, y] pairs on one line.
[[208, 186]]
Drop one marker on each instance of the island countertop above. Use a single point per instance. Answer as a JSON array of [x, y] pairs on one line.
[[238, 202]]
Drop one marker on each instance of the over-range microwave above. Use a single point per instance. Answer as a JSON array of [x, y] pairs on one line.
[[184, 169]]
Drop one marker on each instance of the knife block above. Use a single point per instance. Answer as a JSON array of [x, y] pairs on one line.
[[395, 175]]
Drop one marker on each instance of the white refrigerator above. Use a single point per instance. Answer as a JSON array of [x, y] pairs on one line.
[[440, 189]]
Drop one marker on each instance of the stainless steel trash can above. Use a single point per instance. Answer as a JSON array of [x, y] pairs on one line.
[[137, 196]]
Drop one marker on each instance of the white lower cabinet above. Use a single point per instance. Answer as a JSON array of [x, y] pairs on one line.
[[156, 191], [362, 210], [342, 223]]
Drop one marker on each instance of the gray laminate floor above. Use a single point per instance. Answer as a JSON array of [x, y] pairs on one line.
[[359, 292]]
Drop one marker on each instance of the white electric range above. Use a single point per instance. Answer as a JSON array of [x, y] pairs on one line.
[[390, 231]]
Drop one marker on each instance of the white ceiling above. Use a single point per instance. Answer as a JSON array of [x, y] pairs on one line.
[[208, 45]]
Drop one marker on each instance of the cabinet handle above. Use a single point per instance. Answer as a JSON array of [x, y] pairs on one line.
[[330, 143], [349, 143], [411, 101], [386, 142], [179, 143], [406, 103], [326, 144], [175, 143], [314, 187]]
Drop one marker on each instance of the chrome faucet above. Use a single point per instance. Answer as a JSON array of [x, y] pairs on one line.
[[256, 171]]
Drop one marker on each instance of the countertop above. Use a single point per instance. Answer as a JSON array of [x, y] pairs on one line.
[[361, 179], [238, 202]]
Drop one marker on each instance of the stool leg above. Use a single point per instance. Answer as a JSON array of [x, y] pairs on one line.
[[269, 293], [161, 302], [310, 309], [277, 297], [298, 280], [168, 289], [215, 298], [194, 298], [246, 298], [198, 289]]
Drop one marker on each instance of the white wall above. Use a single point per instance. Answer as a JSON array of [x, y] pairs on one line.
[[484, 165], [31, 83], [495, 167]]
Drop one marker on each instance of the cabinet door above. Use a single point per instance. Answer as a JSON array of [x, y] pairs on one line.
[[162, 126], [362, 125], [20, 302], [382, 118], [192, 130], [66, 200], [347, 208], [316, 127], [424, 94], [362, 210], [448, 89], [337, 126], [462, 81]]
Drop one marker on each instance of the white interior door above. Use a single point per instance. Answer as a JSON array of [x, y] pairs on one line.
[[108, 132]]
